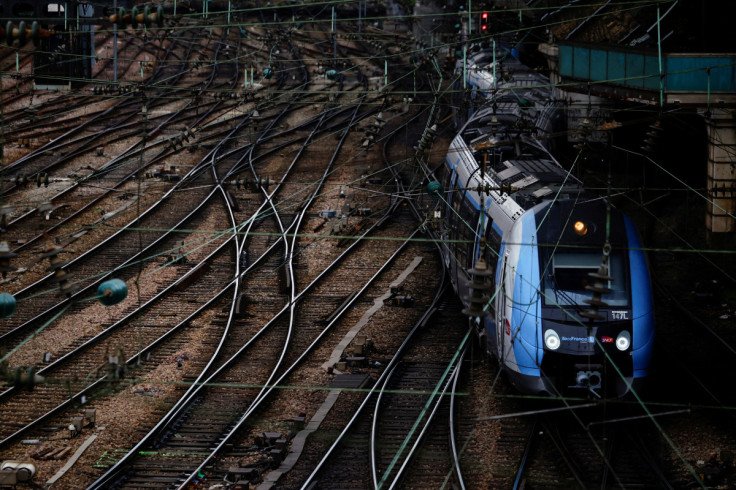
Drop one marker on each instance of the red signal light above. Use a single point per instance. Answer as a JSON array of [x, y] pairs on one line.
[[484, 15]]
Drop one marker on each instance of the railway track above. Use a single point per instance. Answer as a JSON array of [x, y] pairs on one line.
[[238, 367], [396, 420], [560, 452], [244, 335]]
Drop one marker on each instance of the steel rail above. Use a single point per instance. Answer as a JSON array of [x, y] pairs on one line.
[[226, 363], [270, 389], [453, 436], [530, 444], [293, 299], [101, 336], [374, 428], [566, 454], [84, 181], [389, 367], [439, 398], [112, 474], [94, 249], [184, 400]]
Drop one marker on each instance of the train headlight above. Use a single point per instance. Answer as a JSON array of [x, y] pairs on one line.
[[551, 339], [623, 341], [580, 228]]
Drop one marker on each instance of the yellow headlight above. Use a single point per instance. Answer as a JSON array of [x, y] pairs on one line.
[[580, 228]]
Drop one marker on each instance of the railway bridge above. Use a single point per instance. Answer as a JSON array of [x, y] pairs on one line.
[[701, 82]]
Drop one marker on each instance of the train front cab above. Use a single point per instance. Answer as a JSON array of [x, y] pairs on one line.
[[548, 348]]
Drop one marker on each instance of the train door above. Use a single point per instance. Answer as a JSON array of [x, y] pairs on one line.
[[500, 317], [480, 232], [452, 220]]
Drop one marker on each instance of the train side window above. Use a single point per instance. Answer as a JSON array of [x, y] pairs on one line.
[[457, 234], [493, 245], [493, 238], [451, 194], [470, 217], [444, 178]]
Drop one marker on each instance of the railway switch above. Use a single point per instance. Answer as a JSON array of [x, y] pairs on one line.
[[401, 300]]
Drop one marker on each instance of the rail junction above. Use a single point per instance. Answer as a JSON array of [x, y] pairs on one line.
[[219, 272]]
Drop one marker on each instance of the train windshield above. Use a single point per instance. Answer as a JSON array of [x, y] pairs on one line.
[[567, 275]]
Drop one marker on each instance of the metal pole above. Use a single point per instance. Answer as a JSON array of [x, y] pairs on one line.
[[659, 52], [495, 85], [2, 132], [115, 44], [465, 67], [92, 36], [470, 18]]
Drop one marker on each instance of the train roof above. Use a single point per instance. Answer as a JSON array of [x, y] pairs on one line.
[[514, 160], [510, 76]]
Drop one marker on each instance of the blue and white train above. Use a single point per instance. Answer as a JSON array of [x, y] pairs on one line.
[[566, 307]]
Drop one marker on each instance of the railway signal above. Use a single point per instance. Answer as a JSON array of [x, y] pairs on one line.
[[484, 23]]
